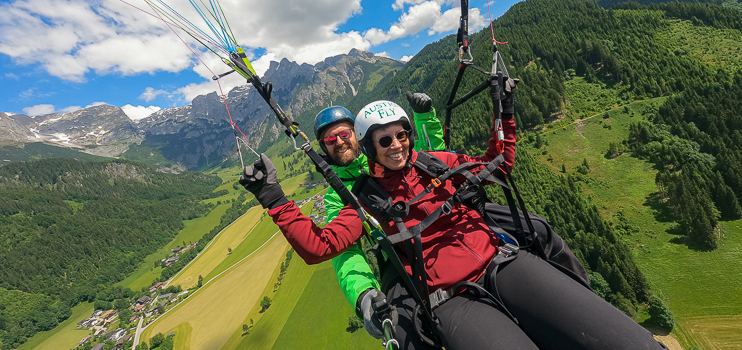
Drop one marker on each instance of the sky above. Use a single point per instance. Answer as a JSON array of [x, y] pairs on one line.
[[61, 55]]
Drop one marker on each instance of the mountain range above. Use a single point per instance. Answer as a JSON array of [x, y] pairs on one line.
[[200, 134]]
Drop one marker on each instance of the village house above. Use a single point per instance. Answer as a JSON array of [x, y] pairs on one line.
[[83, 340], [99, 347], [122, 340], [143, 300], [96, 313], [133, 318], [170, 261], [116, 335], [112, 316], [139, 308], [163, 296], [99, 332], [177, 250], [155, 287]]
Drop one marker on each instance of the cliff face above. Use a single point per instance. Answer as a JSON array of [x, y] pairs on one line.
[[200, 134], [10, 130]]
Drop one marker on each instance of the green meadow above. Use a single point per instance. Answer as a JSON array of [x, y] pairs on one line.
[[699, 287], [65, 335], [193, 231]]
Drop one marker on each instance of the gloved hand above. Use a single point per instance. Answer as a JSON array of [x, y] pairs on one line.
[[261, 180], [371, 320], [508, 104], [420, 102]]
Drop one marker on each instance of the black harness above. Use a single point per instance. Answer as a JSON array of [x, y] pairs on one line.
[[471, 194]]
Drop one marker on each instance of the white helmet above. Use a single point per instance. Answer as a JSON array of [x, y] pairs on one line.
[[378, 113], [375, 115]]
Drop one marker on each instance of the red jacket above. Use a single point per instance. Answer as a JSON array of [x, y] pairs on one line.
[[456, 247]]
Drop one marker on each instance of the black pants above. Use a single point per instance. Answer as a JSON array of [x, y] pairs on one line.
[[554, 247], [553, 310]]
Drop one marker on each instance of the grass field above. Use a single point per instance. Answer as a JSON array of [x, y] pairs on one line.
[[701, 288], [320, 318], [212, 256], [217, 309], [270, 323], [193, 231], [65, 335]]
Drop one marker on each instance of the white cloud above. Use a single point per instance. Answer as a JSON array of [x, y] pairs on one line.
[[11, 76], [399, 4], [38, 110], [449, 21], [96, 104], [424, 15], [383, 54], [139, 112], [150, 93], [418, 17], [70, 109], [406, 58], [73, 37]]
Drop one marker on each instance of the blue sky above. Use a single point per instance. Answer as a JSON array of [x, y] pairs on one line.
[[62, 55]]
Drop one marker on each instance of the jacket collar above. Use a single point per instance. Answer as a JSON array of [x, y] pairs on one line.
[[378, 170], [352, 170]]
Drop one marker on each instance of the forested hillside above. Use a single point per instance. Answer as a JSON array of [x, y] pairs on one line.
[[69, 230], [696, 141]]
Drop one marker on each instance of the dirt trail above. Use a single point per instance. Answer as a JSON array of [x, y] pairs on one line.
[[669, 341], [580, 126]]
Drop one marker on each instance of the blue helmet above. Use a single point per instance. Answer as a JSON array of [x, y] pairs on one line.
[[329, 116]]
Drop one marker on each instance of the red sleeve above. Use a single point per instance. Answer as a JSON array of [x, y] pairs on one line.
[[508, 127], [314, 244]]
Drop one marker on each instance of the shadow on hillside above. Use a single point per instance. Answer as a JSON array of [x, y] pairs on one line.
[[660, 210], [651, 326]]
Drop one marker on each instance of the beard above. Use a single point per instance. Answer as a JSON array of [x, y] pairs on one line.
[[346, 158]]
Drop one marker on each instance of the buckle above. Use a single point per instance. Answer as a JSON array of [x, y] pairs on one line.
[[435, 182], [508, 249], [446, 208], [438, 297]]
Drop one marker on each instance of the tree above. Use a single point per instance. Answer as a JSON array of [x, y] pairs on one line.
[[660, 314], [564, 169], [200, 281], [584, 168], [265, 303], [245, 328], [160, 309], [102, 305], [120, 304], [354, 324], [143, 346], [229, 250], [156, 340], [125, 315]]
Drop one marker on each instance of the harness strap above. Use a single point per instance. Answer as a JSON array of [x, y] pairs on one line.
[[462, 194], [506, 252]]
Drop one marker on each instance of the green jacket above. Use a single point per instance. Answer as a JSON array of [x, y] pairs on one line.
[[352, 271]]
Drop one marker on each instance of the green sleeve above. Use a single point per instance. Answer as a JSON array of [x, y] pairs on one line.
[[351, 269], [429, 132]]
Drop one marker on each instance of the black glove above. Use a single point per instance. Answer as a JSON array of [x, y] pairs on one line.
[[420, 102], [370, 301], [508, 104], [261, 180]]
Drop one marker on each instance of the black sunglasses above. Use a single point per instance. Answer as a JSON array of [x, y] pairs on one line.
[[387, 140]]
